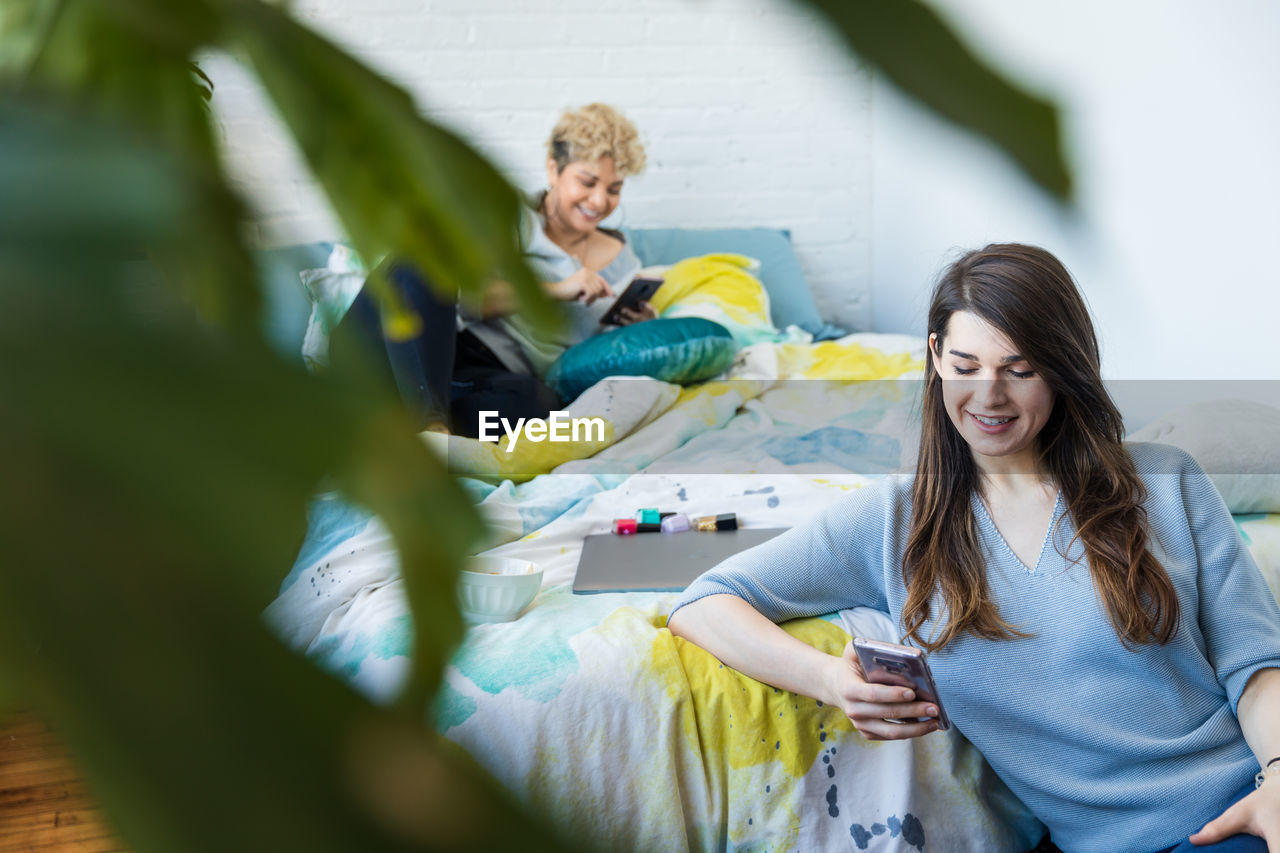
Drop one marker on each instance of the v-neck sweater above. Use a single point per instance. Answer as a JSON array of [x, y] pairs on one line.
[[1113, 748], [983, 512]]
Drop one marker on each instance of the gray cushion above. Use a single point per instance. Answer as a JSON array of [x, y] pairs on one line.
[[1236, 442], [790, 302]]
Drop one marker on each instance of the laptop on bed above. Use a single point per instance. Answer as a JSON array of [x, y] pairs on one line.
[[658, 562]]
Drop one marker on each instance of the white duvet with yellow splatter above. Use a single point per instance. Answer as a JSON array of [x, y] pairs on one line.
[[592, 713]]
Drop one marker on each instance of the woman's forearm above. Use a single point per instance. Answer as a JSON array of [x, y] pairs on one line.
[[1259, 714], [737, 634], [498, 300]]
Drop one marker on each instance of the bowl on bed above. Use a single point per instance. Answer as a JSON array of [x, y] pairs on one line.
[[497, 589]]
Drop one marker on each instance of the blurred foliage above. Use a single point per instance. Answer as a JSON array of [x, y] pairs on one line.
[[160, 456], [158, 469], [914, 48], [398, 183]]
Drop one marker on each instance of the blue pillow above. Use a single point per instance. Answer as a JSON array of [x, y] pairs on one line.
[[285, 303], [677, 349], [790, 302]]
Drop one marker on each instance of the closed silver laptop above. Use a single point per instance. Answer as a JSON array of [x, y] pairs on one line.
[[658, 562]]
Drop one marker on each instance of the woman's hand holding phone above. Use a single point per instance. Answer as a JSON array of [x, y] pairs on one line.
[[871, 707], [644, 311]]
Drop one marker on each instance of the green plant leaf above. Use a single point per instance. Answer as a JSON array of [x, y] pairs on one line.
[[435, 527], [203, 84], [157, 472], [24, 28], [196, 730], [400, 184], [406, 187], [83, 181], [388, 469], [915, 49], [127, 60]]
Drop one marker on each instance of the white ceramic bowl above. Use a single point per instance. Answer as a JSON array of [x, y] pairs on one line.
[[497, 589]]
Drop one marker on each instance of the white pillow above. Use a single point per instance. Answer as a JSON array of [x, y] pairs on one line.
[[331, 289], [1236, 442]]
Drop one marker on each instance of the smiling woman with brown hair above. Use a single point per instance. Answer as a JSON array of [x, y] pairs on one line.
[[1096, 626], [1066, 430]]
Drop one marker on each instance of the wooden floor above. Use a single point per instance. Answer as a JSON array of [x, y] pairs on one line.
[[43, 803]]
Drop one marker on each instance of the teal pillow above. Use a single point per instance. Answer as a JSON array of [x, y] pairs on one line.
[[677, 349]]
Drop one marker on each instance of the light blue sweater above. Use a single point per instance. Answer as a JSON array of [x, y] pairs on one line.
[[1113, 749]]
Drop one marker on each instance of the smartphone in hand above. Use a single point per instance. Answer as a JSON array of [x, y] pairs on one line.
[[639, 290], [902, 666]]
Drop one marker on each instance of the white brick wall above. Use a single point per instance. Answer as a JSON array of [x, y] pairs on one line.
[[752, 113]]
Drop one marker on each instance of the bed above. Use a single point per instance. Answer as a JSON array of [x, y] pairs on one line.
[[586, 707]]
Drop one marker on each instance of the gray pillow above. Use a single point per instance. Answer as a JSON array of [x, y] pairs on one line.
[[790, 301], [1236, 442]]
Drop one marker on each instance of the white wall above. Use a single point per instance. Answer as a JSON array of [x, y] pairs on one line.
[[752, 114], [1174, 122], [754, 117]]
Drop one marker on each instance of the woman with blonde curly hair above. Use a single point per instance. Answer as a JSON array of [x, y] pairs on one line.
[[469, 361], [591, 152], [1094, 623]]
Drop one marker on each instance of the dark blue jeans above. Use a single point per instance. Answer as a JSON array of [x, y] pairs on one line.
[[441, 375]]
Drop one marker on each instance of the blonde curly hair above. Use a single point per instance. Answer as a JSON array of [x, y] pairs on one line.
[[594, 132]]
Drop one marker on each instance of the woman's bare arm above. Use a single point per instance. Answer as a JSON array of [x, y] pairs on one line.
[[1259, 713], [737, 634], [499, 299]]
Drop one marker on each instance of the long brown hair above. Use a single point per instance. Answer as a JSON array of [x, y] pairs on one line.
[[1027, 294]]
